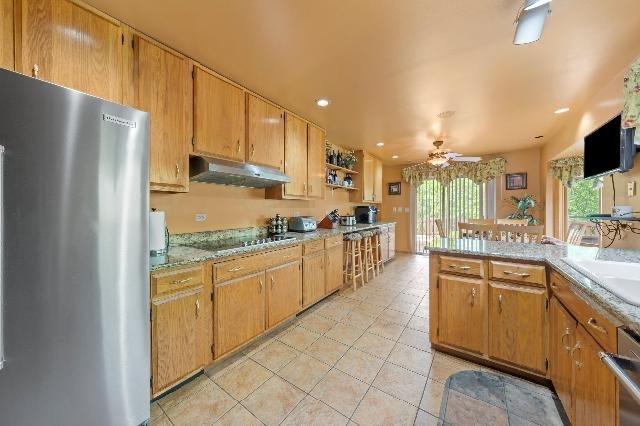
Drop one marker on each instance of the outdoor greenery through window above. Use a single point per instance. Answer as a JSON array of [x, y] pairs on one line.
[[582, 199]]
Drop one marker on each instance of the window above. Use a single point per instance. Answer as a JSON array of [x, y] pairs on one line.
[[583, 199]]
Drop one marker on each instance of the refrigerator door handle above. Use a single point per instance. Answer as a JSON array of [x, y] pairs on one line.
[[1, 257]]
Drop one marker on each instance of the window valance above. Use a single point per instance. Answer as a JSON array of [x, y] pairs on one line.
[[567, 170], [480, 172], [631, 110]]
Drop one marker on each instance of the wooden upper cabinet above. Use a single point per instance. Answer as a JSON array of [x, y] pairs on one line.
[[517, 320], [162, 85], [265, 133], [219, 117], [6, 35], [562, 337], [70, 45], [462, 312], [284, 292], [368, 181], [595, 385], [377, 181], [315, 162], [295, 156], [368, 171]]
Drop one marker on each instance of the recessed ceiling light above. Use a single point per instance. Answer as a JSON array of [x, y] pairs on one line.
[[537, 3], [561, 110], [446, 114], [323, 102], [380, 144], [394, 156]]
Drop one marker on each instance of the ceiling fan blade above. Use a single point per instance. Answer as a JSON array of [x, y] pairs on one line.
[[467, 159]]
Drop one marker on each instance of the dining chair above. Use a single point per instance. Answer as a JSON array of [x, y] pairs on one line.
[[520, 233], [440, 227], [520, 222], [481, 221], [476, 231]]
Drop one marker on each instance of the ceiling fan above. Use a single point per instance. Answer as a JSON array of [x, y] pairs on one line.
[[440, 157]]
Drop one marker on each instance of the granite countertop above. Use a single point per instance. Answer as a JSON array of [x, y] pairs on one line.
[[185, 253], [552, 255]]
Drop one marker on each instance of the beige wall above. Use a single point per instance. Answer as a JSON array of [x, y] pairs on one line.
[[401, 203], [526, 160], [229, 207]]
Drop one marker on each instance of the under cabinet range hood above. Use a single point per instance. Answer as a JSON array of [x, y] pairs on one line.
[[224, 172]]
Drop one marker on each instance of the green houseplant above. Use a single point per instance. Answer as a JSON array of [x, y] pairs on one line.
[[523, 205]]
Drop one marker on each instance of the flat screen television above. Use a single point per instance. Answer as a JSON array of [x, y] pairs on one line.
[[609, 149]]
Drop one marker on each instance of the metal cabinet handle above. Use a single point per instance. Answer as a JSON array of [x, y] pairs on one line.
[[567, 332], [554, 285], [1, 257], [177, 282], [273, 281], [462, 268], [304, 187], [177, 170], [517, 274], [35, 71], [591, 322], [236, 269], [500, 303], [577, 347], [261, 285], [238, 144], [473, 296], [253, 150], [197, 308]]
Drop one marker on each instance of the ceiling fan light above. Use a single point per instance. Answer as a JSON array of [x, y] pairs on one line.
[[530, 22]]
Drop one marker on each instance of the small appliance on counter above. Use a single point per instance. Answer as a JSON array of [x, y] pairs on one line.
[[366, 214], [278, 225], [302, 224], [349, 220], [330, 221], [158, 233]]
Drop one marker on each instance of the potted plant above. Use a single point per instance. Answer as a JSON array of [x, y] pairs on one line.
[[523, 205], [350, 159]]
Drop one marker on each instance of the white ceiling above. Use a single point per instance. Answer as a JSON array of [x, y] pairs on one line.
[[390, 67]]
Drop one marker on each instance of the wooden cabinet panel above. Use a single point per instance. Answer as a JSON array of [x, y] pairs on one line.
[[312, 246], [315, 162], [239, 311], [71, 45], [562, 336], [462, 312], [295, 156], [313, 286], [162, 82], [284, 292], [174, 338], [175, 280], [333, 241], [460, 265], [265, 133], [368, 181], [595, 385], [377, 181], [333, 266], [518, 272], [517, 325], [6, 35], [219, 117]]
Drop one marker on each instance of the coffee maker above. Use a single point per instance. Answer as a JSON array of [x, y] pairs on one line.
[[366, 214]]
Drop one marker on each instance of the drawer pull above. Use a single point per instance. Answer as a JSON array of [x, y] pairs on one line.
[[567, 332], [517, 274], [591, 322], [236, 269], [573, 350], [555, 286], [261, 285], [178, 282], [473, 296], [462, 268], [500, 303], [197, 308], [273, 281]]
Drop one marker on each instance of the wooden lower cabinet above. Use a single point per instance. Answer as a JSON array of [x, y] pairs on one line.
[[174, 335], [517, 325], [284, 292], [462, 312], [392, 243], [594, 385], [333, 265], [562, 337], [239, 312], [313, 281]]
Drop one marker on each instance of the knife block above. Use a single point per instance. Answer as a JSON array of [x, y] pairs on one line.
[[326, 223]]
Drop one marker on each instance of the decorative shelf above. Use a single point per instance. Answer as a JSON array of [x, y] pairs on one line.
[[342, 169], [348, 188]]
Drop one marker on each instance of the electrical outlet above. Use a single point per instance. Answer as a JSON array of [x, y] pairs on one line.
[[201, 217], [631, 188]]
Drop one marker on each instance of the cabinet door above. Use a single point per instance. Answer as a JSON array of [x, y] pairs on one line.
[[265, 133], [6, 35], [162, 86], [377, 181], [313, 288], [595, 385], [174, 338], [284, 292], [462, 312], [219, 117], [315, 162], [517, 320], [295, 156], [392, 244], [239, 312], [562, 336], [384, 240], [333, 265], [368, 174], [71, 45]]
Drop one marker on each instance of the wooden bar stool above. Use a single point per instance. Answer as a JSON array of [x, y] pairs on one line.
[[367, 252], [352, 259], [377, 251]]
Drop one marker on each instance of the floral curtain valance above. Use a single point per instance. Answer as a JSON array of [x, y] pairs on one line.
[[479, 172], [567, 170], [631, 110]]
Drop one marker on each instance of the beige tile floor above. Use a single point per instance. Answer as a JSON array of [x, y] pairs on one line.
[[358, 357]]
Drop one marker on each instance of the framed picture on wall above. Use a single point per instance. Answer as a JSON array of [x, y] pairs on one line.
[[395, 188], [516, 181]]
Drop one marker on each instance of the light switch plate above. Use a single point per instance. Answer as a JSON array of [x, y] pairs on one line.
[[631, 188], [201, 217]]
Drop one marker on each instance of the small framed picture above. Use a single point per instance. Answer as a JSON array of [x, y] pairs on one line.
[[516, 181], [395, 188]]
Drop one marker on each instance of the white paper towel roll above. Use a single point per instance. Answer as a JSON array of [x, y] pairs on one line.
[[156, 232]]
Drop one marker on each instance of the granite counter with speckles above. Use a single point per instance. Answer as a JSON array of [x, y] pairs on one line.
[[553, 256]]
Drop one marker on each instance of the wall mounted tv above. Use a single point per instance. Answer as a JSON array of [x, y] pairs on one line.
[[609, 149]]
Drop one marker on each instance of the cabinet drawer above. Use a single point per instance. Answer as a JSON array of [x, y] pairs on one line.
[[458, 265], [518, 272], [280, 257], [175, 280], [312, 246], [603, 330], [249, 264], [333, 241]]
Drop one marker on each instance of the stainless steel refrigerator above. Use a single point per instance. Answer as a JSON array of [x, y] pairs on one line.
[[74, 291]]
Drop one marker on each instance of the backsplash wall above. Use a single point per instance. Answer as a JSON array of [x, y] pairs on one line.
[[229, 207]]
